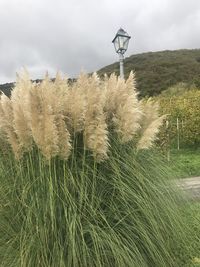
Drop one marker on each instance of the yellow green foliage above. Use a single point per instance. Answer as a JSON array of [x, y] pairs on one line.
[[183, 118]]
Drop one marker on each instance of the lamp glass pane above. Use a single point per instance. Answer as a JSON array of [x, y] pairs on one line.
[[116, 44], [121, 42], [126, 43]]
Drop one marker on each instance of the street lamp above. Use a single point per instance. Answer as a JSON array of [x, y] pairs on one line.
[[120, 42]]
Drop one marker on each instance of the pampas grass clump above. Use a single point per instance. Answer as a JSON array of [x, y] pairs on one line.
[[50, 115], [79, 188]]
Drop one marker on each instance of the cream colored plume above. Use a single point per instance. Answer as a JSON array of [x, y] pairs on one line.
[[95, 128], [127, 110], [20, 105], [43, 109], [110, 87], [6, 125], [57, 93], [64, 139], [75, 104], [150, 124], [49, 114]]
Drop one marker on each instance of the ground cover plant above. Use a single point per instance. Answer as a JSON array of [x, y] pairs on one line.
[[185, 162], [79, 183], [191, 215]]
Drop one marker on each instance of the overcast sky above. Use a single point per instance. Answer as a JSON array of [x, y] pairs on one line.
[[75, 35]]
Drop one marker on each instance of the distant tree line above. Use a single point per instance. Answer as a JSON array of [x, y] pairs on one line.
[[7, 87]]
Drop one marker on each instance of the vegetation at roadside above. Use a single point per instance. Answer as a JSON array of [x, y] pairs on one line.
[[185, 162], [183, 120], [191, 215], [80, 184], [179, 136]]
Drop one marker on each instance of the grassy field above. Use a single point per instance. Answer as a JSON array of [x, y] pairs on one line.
[[192, 217], [186, 163]]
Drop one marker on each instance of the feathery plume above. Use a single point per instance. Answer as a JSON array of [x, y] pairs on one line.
[[20, 103], [150, 124], [49, 114], [35, 115], [110, 87], [49, 146], [6, 122], [57, 93], [128, 113], [75, 106], [95, 130], [64, 140], [47, 138]]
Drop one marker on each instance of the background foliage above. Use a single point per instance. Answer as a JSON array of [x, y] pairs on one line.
[[183, 121]]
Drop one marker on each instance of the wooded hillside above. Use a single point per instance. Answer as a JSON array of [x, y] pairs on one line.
[[155, 71]]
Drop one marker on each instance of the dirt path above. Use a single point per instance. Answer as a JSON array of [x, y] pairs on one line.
[[191, 186]]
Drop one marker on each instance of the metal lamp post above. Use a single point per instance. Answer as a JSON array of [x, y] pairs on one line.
[[120, 42]]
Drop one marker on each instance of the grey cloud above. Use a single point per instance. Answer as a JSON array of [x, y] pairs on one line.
[[74, 35]]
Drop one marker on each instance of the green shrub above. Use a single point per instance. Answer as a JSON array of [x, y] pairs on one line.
[[183, 118]]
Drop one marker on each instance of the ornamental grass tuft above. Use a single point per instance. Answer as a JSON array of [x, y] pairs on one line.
[[80, 184]]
